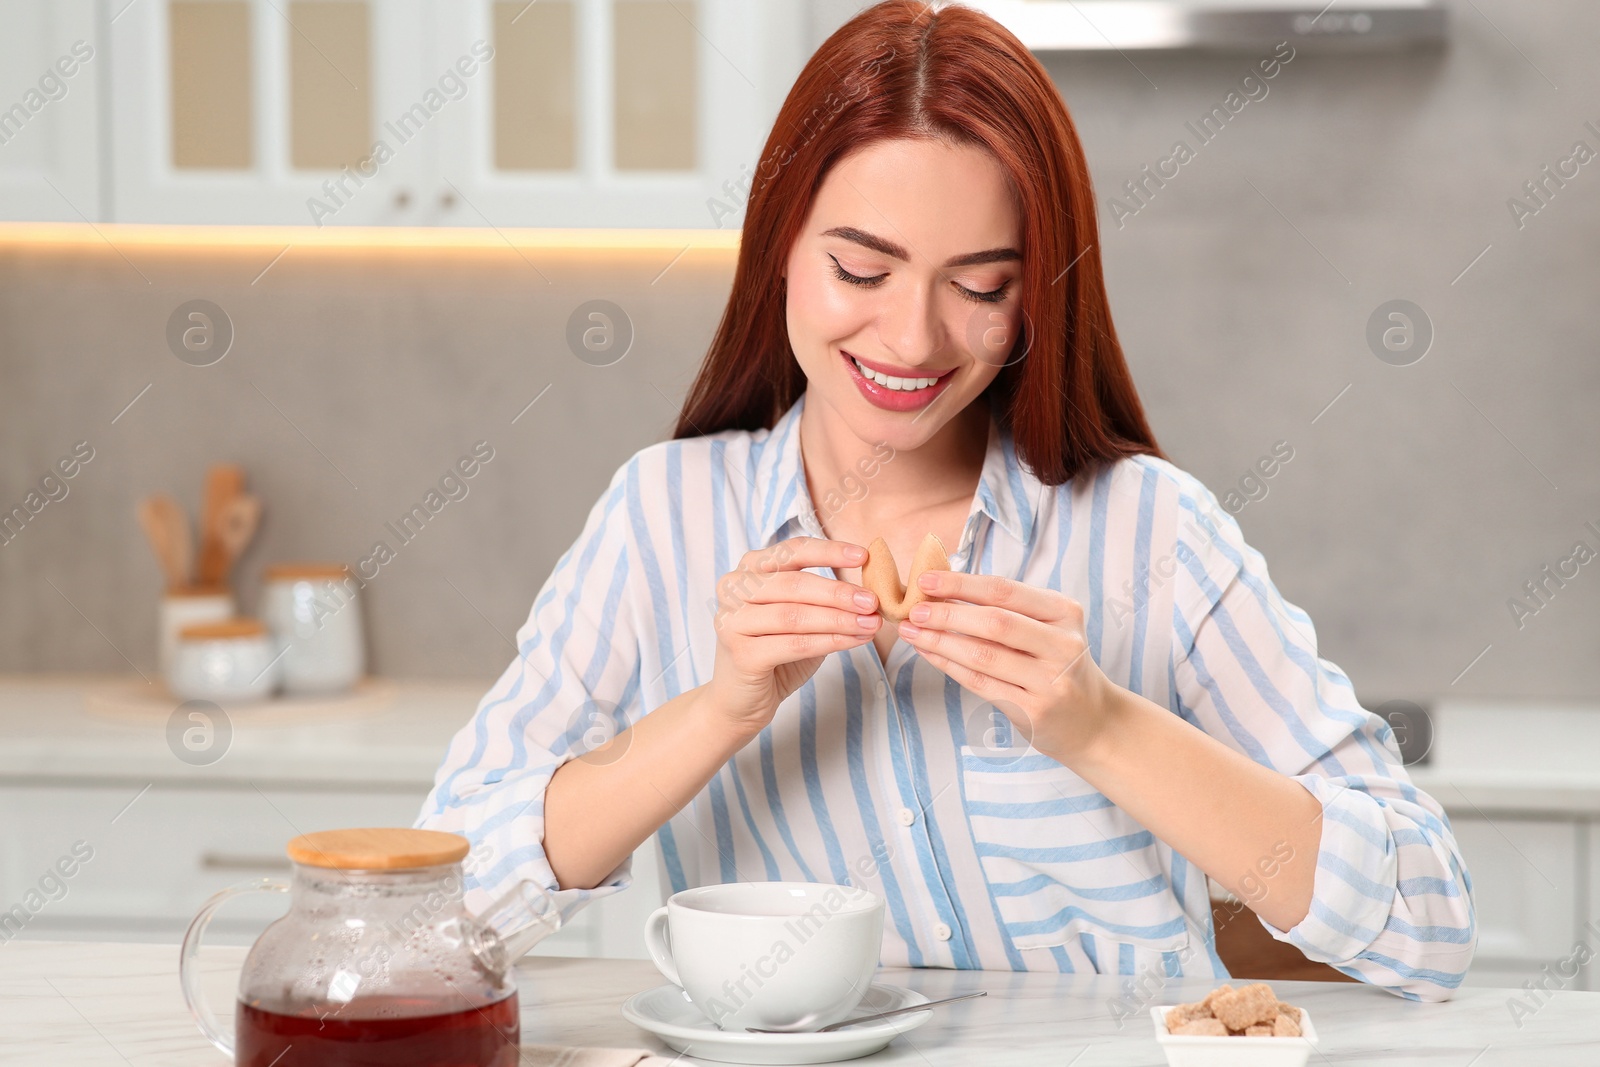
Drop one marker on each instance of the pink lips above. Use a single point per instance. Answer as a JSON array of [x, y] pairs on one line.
[[893, 399]]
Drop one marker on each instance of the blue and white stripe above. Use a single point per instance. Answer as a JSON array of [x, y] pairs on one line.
[[894, 778]]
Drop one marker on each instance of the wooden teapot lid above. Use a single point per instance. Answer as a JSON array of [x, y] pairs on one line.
[[378, 849]]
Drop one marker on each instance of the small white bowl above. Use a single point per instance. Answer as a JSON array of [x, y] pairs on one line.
[[1187, 1051]]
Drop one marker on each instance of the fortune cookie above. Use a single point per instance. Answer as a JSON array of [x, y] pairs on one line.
[[880, 575]]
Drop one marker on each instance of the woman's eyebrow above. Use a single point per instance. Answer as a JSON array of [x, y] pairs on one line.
[[889, 248]]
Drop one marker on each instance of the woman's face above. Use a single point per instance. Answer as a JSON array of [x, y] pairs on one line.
[[904, 287]]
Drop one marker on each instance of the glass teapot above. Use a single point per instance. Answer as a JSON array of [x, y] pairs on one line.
[[377, 961]]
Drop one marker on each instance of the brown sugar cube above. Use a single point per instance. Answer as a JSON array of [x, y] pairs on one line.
[[1200, 1028], [1211, 997], [1241, 1008], [1185, 1012], [1284, 1026], [1289, 1010]]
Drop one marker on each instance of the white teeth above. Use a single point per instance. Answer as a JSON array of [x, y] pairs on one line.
[[905, 385]]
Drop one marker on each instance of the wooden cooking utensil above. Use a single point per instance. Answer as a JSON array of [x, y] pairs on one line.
[[167, 527], [224, 482], [181, 538], [238, 525]]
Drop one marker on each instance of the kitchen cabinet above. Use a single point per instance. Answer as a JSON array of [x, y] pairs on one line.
[[1589, 933], [166, 834], [1525, 806], [1525, 884], [168, 849], [1531, 882], [52, 62], [147, 838], [614, 112], [156, 854], [560, 113], [256, 111]]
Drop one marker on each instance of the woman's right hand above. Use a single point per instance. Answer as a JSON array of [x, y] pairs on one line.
[[775, 623]]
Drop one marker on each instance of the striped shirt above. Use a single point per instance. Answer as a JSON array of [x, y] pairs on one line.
[[987, 853]]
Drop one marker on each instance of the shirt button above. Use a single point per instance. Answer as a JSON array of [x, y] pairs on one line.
[[907, 816], [941, 931], [878, 688]]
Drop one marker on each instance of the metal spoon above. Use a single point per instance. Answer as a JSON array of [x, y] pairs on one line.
[[871, 1018]]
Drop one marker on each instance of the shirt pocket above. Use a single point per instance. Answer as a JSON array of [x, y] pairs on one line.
[[1067, 867]]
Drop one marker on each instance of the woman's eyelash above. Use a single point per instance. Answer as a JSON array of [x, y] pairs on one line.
[[854, 279], [992, 296]]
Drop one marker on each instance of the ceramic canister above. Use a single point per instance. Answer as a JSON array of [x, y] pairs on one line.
[[186, 606], [315, 616], [232, 661]]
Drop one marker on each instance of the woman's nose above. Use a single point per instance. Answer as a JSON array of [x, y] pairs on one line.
[[910, 327]]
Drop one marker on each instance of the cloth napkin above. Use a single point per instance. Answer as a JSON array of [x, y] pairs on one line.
[[564, 1056]]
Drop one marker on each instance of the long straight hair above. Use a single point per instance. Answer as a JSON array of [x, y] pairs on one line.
[[905, 69]]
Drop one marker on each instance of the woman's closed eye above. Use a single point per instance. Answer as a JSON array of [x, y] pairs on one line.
[[865, 281]]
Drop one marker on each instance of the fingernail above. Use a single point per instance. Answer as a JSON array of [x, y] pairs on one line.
[[920, 613], [910, 632], [928, 580], [855, 552], [866, 601], [867, 622]]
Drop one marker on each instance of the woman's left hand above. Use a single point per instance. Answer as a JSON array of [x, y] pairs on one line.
[[1020, 647]]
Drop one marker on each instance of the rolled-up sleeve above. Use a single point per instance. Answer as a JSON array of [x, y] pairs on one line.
[[573, 685], [1392, 900]]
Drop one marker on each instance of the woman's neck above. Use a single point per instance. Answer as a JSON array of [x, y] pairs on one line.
[[899, 483]]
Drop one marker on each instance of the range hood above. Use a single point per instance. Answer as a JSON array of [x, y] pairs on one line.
[[1129, 25]]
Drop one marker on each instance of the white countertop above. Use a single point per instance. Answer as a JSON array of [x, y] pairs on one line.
[[396, 737], [1488, 757], [1500, 757], [83, 1004]]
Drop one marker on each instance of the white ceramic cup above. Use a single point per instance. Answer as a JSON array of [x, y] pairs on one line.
[[314, 614], [234, 662], [777, 955]]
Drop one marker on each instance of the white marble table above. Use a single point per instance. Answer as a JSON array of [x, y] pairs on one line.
[[78, 1004]]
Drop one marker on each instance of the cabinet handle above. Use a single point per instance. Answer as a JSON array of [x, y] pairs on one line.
[[447, 199], [402, 198], [231, 861]]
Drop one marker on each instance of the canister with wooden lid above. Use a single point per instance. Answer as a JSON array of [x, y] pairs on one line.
[[230, 661], [315, 616]]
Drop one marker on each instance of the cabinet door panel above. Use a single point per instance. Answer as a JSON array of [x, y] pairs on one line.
[[611, 113], [158, 855], [1591, 931], [305, 136], [1525, 885], [51, 61], [155, 856]]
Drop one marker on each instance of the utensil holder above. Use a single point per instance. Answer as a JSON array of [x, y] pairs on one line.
[[186, 606]]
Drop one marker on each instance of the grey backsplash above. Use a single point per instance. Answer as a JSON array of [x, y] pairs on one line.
[[1415, 506]]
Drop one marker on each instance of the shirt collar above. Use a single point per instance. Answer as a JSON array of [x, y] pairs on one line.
[[1008, 494]]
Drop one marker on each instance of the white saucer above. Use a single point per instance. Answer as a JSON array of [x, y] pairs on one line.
[[667, 1012]]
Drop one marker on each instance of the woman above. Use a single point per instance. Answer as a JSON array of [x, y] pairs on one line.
[[1105, 698]]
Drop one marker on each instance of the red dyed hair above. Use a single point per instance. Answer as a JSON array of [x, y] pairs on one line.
[[908, 69]]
